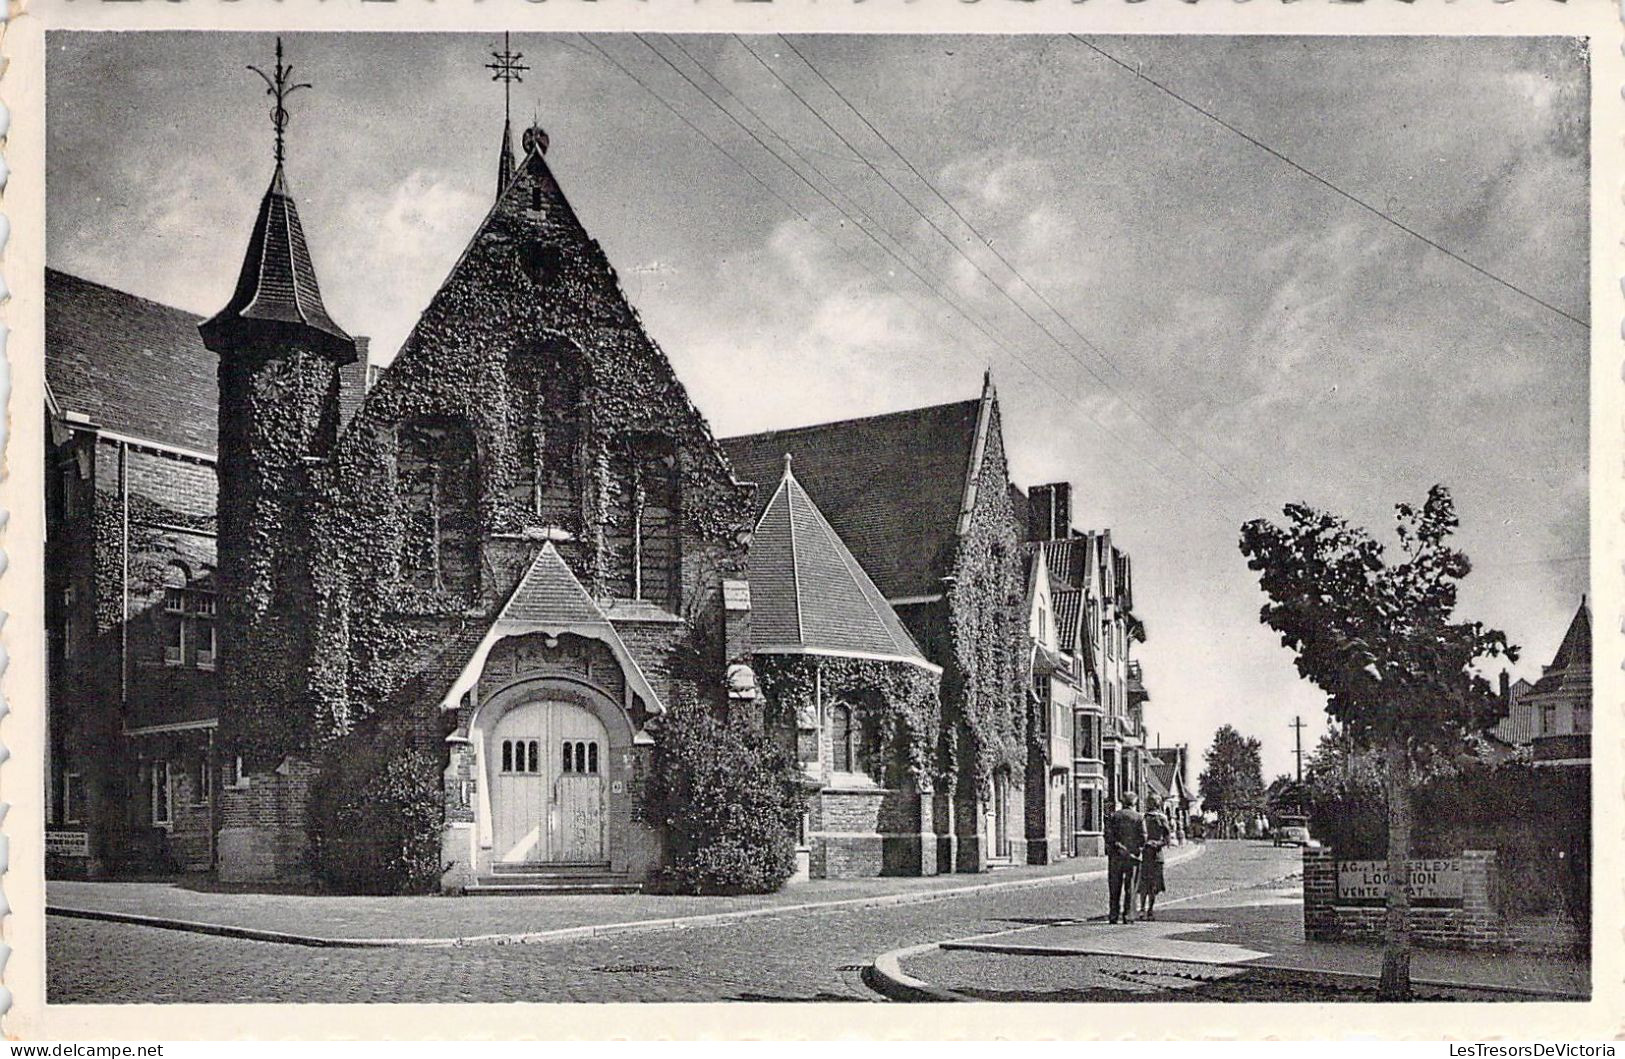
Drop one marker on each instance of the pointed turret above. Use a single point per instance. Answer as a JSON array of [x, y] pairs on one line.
[[277, 299], [505, 163]]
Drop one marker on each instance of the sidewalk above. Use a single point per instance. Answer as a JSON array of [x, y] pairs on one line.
[[376, 921], [1253, 936]]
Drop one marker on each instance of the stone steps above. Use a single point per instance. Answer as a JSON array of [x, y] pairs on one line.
[[520, 879]]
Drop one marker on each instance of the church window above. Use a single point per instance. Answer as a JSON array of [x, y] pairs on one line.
[[437, 478], [545, 411], [642, 529], [849, 741]]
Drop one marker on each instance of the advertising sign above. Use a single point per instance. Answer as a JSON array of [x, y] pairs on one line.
[[1361, 880], [67, 843]]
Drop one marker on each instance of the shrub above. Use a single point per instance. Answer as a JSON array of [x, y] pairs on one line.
[[376, 809], [730, 800]]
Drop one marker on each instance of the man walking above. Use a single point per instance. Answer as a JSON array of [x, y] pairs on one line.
[[1125, 836]]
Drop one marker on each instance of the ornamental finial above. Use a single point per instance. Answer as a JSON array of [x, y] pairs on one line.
[[279, 89], [507, 69]]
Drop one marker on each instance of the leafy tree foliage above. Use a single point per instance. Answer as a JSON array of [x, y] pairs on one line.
[[1232, 785], [1380, 640], [730, 799]]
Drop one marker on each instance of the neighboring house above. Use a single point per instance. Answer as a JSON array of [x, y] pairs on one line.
[[1056, 667], [1089, 589], [1169, 767], [1560, 700]]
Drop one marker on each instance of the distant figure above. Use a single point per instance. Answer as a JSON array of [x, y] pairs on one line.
[[1157, 834], [1125, 835]]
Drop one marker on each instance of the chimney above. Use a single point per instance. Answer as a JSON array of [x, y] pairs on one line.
[[1506, 688], [1050, 511]]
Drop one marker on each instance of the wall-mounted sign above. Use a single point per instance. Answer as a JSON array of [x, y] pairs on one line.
[[1366, 880], [67, 843], [736, 595]]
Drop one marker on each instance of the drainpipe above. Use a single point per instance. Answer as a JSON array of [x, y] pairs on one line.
[[124, 549], [210, 755]]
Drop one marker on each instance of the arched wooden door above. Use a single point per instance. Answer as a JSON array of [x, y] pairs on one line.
[[547, 764]]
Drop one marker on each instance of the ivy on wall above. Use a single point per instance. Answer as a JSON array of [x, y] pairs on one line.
[[900, 701], [985, 682]]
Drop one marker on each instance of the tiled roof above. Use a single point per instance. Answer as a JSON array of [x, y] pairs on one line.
[[1159, 780], [1068, 560], [131, 365], [891, 486], [1068, 609], [277, 284], [1572, 662], [550, 593], [1518, 726], [807, 591], [139, 368]]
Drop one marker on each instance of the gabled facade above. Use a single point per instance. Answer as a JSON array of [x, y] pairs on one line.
[[922, 499]]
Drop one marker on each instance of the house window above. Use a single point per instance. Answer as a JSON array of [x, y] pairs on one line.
[[202, 781], [545, 416], [70, 490], [203, 603], [73, 797], [437, 476], [160, 783], [1548, 718], [234, 777], [207, 645], [175, 642], [642, 530]]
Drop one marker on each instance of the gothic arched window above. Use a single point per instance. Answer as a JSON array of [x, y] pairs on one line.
[[437, 476], [642, 530], [850, 741], [545, 413]]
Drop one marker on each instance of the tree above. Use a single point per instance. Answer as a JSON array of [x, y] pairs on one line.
[[1380, 640], [1233, 782], [1285, 795]]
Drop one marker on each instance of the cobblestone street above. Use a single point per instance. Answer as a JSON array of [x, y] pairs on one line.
[[795, 957]]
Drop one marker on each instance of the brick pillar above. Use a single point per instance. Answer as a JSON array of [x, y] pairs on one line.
[[1482, 924], [1319, 894]]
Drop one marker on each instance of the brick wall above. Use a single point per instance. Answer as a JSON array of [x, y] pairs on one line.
[[1476, 924], [865, 831]]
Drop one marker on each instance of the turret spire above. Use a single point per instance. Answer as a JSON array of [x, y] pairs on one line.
[[507, 68]]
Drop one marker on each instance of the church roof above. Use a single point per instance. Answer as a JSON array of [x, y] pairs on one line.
[[808, 593], [1572, 663], [130, 365], [892, 486], [277, 285], [139, 368]]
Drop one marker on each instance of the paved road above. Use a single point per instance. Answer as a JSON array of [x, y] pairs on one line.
[[796, 957]]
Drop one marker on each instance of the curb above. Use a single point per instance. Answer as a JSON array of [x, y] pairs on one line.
[[598, 930]]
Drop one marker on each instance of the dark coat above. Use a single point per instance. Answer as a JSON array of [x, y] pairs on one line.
[[1125, 834]]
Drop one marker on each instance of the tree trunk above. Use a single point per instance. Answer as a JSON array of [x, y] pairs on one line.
[[1396, 956]]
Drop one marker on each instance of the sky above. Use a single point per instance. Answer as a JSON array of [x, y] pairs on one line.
[[1178, 321]]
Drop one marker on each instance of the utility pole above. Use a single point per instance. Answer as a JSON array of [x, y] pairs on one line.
[[1297, 727]]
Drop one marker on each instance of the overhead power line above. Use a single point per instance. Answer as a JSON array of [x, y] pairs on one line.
[[1324, 182], [1133, 408], [911, 264], [931, 288]]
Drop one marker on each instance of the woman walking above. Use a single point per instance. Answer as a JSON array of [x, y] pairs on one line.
[[1151, 881]]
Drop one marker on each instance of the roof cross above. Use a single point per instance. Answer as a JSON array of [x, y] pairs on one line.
[[279, 89], [506, 69]]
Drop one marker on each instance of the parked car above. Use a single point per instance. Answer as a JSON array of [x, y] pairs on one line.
[[1293, 831]]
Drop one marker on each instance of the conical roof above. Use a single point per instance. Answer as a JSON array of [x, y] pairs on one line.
[[276, 294], [1573, 658], [809, 595]]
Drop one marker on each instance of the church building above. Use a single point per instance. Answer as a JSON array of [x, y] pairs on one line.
[[517, 549]]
